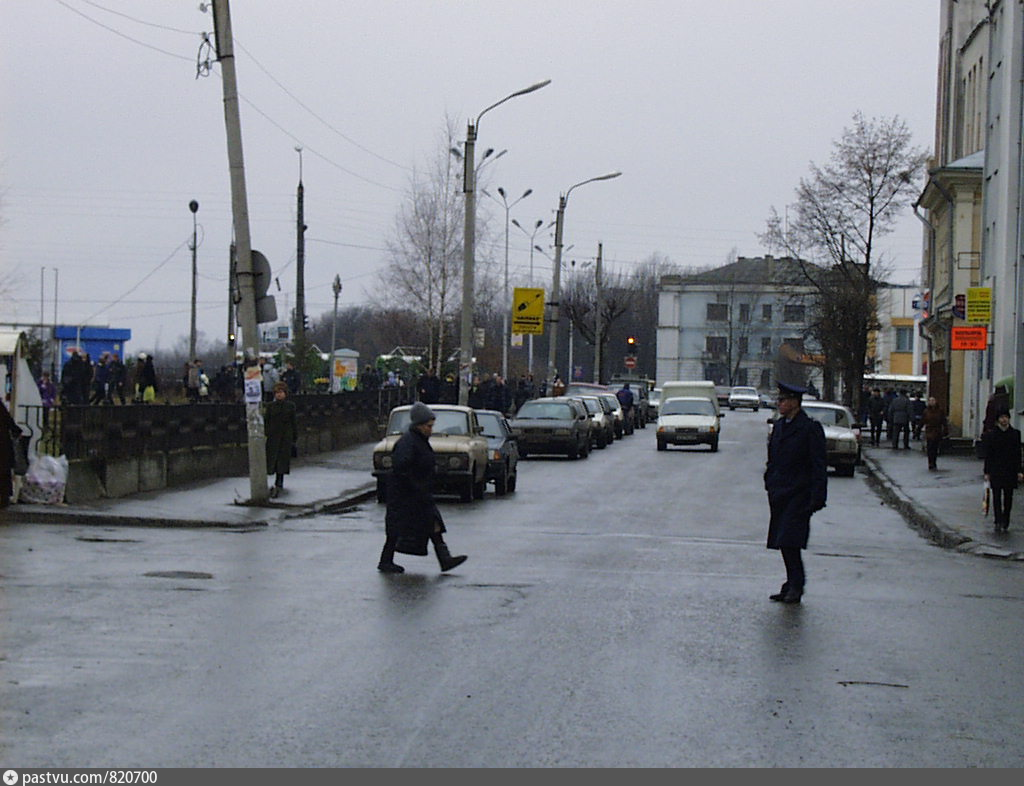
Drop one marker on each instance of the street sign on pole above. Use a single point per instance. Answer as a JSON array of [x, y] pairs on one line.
[[630, 362], [528, 311]]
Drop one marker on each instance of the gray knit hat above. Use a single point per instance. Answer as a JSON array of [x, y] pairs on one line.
[[420, 413]]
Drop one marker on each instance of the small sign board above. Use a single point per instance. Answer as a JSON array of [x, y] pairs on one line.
[[253, 385], [630, 362], [528, 311], [973, 337], [979, 305]]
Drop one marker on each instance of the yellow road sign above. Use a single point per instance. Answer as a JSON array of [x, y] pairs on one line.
[[979, 305], [528, 311]]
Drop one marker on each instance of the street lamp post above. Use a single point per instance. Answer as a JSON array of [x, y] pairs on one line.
[[555, 285], [532, 236], [469, 239], [506, 338], [336, 286], [194, 207]]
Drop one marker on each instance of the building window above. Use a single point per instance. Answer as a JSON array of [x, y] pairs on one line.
[[715, 345], [766, 312], [744, 347], [766, 379], [741, 377], [766, 345], [904, 339], [744, 312], [796, 343], [793, 313], [718, 312]]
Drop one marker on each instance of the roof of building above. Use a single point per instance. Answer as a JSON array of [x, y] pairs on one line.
[[755, 270]]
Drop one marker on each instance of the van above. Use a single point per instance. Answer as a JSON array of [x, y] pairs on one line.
[[703, 388]]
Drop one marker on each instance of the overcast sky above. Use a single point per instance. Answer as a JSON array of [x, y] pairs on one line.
[[712, 110]]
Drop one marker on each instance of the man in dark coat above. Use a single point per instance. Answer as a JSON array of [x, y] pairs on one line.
[[412, 517], [281, 426], [876, 407], [428, 388], [1002, 467], [797, 485], [9, 431], [899, 420]]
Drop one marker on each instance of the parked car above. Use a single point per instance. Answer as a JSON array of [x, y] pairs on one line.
[[722, 392], [603, 431], [641, 394], [559, 424], [459, 447], [688, 420], [653, 402], [744, 397], [502, 451], [767, 400], [621, 426], [842, 434]]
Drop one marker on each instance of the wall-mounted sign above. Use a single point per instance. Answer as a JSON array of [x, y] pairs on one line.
[[973, 337], [979, 305]]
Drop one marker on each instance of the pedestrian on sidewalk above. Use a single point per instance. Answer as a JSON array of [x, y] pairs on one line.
[[282, 431], [9, 433], [997, 402], [797, 484], [876, 414], [917, 407], [412, 516], [1002, 467], [899, 418], [936, 428]]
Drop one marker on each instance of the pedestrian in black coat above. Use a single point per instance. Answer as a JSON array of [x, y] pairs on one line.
[[282, 431], [1002, 467], [797, 485], [412, 516], [9, 431]]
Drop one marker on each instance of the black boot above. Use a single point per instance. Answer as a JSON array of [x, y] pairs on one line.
[[781, 593], [444, 556], [387, 558]]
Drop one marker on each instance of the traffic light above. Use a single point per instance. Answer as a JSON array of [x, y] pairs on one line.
[[231, 339], [631, 341]]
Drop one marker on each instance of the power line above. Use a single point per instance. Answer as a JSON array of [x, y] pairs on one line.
[[140, 21], [124, 35]]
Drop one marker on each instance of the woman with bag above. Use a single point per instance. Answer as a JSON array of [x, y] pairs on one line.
[[1002, 467], [282, 431], [412, 517], [936, 429]]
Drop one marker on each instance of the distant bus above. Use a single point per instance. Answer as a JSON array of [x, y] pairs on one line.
[[912, 383]]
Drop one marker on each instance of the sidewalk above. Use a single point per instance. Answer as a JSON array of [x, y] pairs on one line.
[[944, 503], [316, 483]]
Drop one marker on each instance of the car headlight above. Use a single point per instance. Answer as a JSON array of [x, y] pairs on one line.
[[458, 461], [496, 455], [662, 429]]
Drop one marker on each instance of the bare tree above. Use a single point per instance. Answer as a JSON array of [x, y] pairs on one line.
[[841, 211]]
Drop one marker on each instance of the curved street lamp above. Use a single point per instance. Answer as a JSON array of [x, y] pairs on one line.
[[555, 284], [469, 239]]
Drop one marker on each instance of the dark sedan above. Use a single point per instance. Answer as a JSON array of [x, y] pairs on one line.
[[502, 451]]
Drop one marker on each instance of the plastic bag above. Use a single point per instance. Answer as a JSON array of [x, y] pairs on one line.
[[45, 481], [986, 498]]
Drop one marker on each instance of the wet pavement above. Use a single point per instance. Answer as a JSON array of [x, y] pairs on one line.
[[944, 504]]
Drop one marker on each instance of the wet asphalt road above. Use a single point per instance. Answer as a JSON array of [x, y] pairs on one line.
[[613, 612]]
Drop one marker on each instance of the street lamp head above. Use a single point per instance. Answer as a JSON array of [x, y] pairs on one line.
[[193, 206], [526, 193], [531, 88], [501, 191]]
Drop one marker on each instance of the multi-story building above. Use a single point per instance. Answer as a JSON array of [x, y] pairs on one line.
[[729, 324], [895, 347]]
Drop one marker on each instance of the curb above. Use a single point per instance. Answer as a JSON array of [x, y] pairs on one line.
[[917, 516]]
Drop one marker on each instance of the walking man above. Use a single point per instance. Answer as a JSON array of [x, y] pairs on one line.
[[876, 414], [899, 418], [1002, 467], [797, 485]]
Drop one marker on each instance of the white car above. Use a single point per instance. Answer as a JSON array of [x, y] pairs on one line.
[[744, 397], [688, 420], [842, 434]]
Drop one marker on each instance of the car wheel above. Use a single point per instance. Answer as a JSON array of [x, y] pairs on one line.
[[501, 483], [382, 490], [714, 446], [466, 492], [479, 488], [602, 443], [586, 451], [512, 480], [662, 445]]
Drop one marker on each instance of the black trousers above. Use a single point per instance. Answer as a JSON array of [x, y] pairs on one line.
[[1002, 501], [900, 428], [795, 577], [933, 451], [876, 430]]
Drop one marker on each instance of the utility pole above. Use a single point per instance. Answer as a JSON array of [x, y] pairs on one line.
[[299, 339], [597, 327], [336, 286], [232, 300], [240, 212], [194, 207]]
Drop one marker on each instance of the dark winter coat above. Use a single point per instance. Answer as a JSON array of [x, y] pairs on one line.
[[1002, 457], [282, 430], [899, 411], [934, 421], [877, 408], [429, 389], [412, 513], [796, 479], [8, 431]]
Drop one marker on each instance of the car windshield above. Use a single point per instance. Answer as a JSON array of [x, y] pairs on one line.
[[543, 410], [610, 398], [744, 392], [448, 422], [828, 416], [682, 406], [593, 405], [583, 390], [491, 424]]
